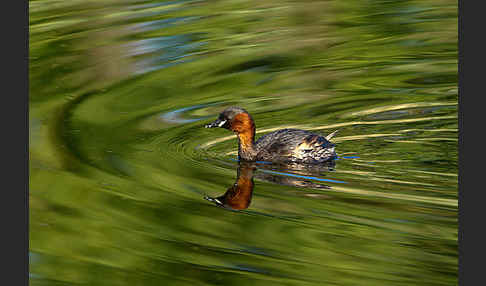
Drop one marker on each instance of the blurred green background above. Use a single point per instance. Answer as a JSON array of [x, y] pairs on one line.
[[120, 162]]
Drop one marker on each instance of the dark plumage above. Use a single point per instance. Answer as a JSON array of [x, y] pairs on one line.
[[285, 145]]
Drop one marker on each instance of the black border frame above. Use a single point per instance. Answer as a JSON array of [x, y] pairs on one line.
[[17, 63], [15, 139]]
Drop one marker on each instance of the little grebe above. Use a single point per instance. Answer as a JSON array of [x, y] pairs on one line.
[[285, 145]]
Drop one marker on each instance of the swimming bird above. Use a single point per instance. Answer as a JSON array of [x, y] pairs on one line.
[[284, 145]]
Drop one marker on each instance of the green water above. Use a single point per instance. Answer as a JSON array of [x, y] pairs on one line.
[[120, 163]]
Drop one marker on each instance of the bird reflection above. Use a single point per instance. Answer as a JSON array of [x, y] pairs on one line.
[[238, 196]]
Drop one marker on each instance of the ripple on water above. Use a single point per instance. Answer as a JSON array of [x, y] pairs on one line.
[[175, 116]]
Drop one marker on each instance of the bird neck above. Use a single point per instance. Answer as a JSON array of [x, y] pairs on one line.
[[243, 125], [246, 145]]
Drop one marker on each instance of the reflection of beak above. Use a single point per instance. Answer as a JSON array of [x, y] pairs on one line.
[[238, 196], [217, 123]]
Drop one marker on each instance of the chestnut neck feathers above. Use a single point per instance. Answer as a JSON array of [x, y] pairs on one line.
[[243, 125]]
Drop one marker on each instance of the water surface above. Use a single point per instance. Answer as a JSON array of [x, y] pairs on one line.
[[123, 175]]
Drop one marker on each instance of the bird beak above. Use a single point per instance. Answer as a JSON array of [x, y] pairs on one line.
[[217, 123], [214, 200]]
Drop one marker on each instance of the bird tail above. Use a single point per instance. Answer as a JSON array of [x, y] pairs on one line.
[[328, 137]]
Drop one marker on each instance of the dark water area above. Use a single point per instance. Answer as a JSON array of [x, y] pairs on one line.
[[127, 187]]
